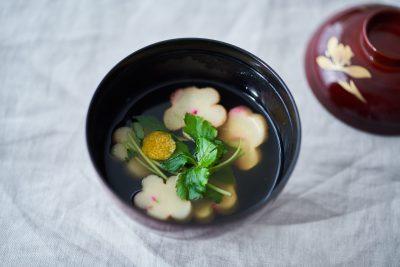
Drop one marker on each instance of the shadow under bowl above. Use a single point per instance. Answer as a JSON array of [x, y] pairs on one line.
[[193, 61]]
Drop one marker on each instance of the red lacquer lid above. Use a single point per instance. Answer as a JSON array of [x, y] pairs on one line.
[[353, 67]]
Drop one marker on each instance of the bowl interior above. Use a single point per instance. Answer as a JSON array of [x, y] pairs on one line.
[[172, 64]]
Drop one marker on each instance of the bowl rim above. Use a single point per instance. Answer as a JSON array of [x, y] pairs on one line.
[[376, 52], [260, 67]]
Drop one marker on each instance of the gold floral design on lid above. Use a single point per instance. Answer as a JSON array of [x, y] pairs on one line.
[[338, 58]]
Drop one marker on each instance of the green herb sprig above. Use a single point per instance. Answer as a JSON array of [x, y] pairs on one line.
[[194, 169], [193, 183]]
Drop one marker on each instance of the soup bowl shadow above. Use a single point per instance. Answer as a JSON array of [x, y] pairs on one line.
[[199, 61]]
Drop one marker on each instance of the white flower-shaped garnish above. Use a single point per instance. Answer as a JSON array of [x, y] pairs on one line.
[[202, 102], [120, 152], [160, 200], [204, 209], [251, 128]]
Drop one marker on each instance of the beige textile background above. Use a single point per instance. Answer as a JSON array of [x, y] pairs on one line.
[[341, 206]]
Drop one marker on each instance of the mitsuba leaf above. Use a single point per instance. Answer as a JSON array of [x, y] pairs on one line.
[[175, 162], [206, 152], [197, 127], [197, 177], [221, 148], [194, 194], [138, 129], [182, 147], [181, 189], [179, 159], [191, 183], [150, 123]]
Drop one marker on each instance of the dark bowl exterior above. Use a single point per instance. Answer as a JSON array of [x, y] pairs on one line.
[[187, 59]]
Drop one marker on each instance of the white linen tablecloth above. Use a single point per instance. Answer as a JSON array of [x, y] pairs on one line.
[[341, 206]]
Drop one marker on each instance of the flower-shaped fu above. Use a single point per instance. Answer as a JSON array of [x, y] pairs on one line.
[[338, 58], [204, 209], [202, 102], [160, 200], [251, 128], [120, 152]]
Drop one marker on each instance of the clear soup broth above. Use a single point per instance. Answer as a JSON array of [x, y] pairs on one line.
[[252, 186]]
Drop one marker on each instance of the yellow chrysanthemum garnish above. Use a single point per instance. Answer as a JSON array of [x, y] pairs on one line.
[[158, 145]]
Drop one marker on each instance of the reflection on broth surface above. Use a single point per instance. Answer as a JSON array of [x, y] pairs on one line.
[[239, 187]]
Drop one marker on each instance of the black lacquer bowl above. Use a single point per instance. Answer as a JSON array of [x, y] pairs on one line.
[[200, 62]]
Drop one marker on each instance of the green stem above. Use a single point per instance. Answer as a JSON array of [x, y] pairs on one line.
[[231, 159], [148, 161], [156, 163], [145, 165], [219, 190]]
